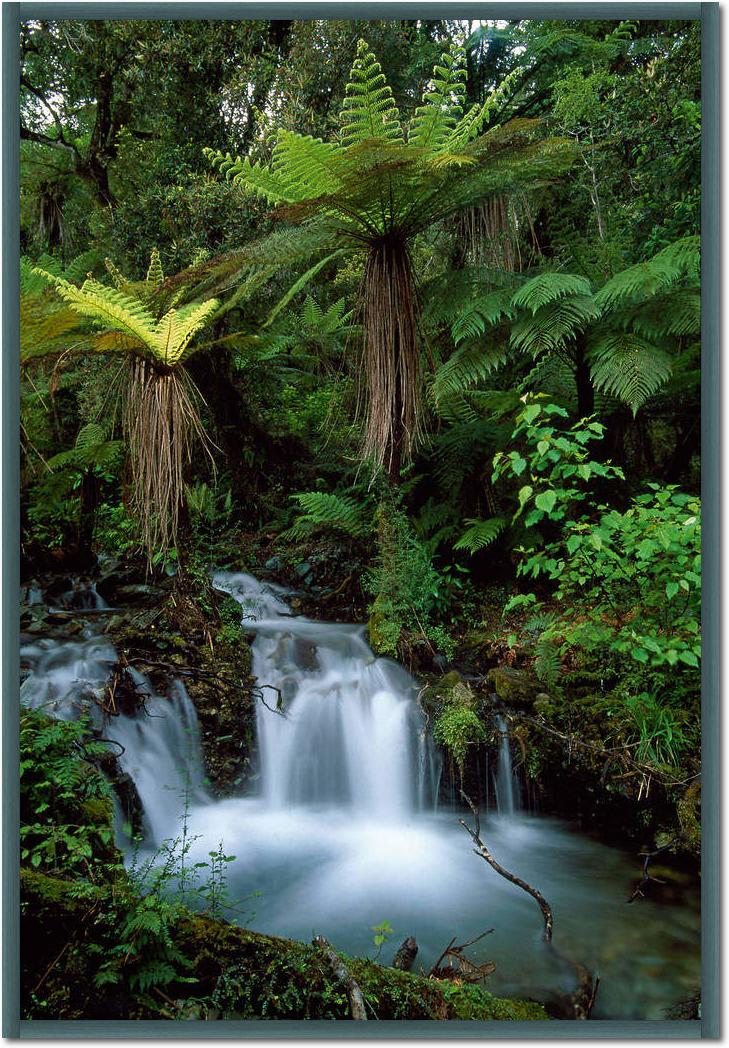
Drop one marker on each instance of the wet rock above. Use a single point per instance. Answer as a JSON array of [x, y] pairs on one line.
[[513, 687]]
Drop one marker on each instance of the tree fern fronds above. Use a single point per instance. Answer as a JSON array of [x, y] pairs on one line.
[[628, 367], [119, 280], [554, 324], [308, 164], [369, 110], [324, 510], [90, 449], [547, 287], [480, 533], [155, 276], [478, 116], [679, 261], [78, 268], [677, 313], [108, 307], [298, 285], [442, 102], [468, 365], [484, 311]]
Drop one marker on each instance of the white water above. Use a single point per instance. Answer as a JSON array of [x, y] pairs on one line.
[[343, 832], [348, 731], [506, 786]]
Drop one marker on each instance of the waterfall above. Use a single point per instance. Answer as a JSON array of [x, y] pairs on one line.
[[160, 746], [505, 784], [337, 726]]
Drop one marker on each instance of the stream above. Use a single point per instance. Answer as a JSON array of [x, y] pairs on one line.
[[345, 832]]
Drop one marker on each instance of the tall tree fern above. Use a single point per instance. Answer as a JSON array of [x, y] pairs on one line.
[[372, 189], [160, 415]]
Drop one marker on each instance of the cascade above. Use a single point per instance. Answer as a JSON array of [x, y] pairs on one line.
[[348, 731], [506, 786], [344, 832]]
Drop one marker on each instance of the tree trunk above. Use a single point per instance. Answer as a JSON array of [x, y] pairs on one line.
[[583, 381]]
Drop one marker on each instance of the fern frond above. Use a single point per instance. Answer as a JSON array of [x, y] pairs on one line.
[[553, 324], [468, 365], [155, 276], [369, 110], [547, 287], [484, 311], [679, 261], [628, 367], [480, 533], [479, 115], [325, 510], [442, 102]]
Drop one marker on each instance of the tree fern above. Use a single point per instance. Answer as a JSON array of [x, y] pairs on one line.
[[553, 324], [547, 287], [91, 449], [679, 261], [369, 110], [373, 189]]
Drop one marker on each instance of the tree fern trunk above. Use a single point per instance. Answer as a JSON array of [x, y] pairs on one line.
[[583, 381], [392, 371]]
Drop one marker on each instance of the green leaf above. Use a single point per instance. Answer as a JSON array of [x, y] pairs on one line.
[[671, 590], [546, 501]]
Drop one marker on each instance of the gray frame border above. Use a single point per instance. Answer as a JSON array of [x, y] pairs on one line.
[[709, 1026]]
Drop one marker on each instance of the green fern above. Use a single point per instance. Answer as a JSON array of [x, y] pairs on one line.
[[680, 261], [369, 111], [547, 287], [128, 323], [553, 325], [90, 449], [628, 367], [324, 510], [479, 534]]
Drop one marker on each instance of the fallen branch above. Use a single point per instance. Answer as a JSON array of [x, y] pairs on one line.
[[357, 1007], [482, 850], [647, 877], [467, 969]]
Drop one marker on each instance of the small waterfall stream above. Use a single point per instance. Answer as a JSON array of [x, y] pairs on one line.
[[506, 786], [343, 831], [348, 732]]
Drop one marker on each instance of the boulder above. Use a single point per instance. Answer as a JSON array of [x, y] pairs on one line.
[[513, 687]]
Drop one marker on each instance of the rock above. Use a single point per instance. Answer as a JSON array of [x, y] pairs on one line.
[[513, 687], [273, 564]]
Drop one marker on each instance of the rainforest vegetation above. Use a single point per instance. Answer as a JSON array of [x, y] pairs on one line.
[[402, 316]]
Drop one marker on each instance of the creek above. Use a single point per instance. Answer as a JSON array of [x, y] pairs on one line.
[[344, 830]]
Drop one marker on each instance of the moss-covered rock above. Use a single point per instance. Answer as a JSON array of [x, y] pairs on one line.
[[512, 686]]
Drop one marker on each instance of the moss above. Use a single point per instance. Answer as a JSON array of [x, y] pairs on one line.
[[249, 975], [514, 687], [238, 973]]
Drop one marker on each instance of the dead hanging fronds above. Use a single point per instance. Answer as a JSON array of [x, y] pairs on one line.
[[161, 421], [491, 232], [392, 365]]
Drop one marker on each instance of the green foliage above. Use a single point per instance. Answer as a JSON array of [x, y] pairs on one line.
[[65, 804], [124, 315], [631, 579], [458, 725], [324, 510], [404, 583]]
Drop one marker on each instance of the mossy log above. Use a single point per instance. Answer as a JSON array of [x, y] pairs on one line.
[[240, 974]]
